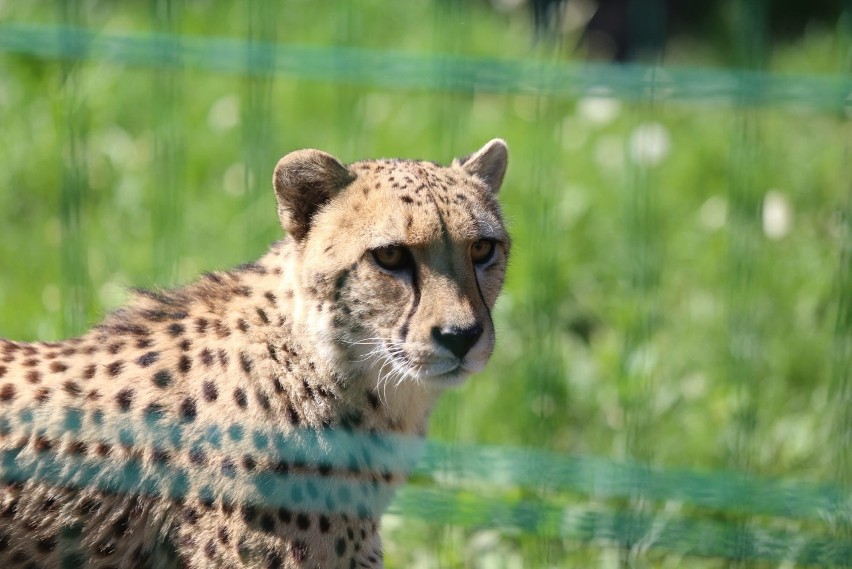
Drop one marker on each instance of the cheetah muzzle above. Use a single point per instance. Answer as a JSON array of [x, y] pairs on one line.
[[263, 416]]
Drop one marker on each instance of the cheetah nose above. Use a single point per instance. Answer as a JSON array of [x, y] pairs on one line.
[[458, 340]]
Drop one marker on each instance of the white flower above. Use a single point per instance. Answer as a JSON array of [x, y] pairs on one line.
[[649, 144], [598, 110], [713, 213], [777, 215], [224, 114]]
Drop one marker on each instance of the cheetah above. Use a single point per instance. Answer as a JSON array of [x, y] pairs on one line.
[[261, 416]]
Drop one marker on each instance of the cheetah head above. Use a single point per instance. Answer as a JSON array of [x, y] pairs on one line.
[[397, 263]]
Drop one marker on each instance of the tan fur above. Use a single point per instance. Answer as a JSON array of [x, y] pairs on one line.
[[263, 416]]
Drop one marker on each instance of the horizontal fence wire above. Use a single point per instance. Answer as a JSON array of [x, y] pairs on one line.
[[477, 489], [497, 466], [603, 478], [672, 532], [390, 69]]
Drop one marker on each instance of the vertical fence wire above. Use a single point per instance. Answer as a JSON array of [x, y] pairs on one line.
[[548, 393], [75, 290], [258, 113], [643, 263], [449, 109], [351, 100], [169, 146], [840, 387], [745, 367], [743, 334], [551, 394], [841, 365]]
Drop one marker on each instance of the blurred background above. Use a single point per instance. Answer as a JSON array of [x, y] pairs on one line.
[[671, 384]]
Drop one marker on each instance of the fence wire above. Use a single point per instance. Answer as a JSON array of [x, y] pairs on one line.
[[395, 70], [624, 503]]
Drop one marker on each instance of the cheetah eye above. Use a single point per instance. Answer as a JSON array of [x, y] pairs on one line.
[[393, 257], [482, 251]]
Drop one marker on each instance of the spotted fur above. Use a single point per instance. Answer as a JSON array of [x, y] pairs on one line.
[[263, 416]]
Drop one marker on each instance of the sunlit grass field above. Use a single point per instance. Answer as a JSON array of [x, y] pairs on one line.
[[679, 289]]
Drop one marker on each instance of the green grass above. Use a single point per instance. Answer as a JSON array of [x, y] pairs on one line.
[[650, 314]]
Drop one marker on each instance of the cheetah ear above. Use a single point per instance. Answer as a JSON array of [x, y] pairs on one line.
[[304, 181], [488, 163]]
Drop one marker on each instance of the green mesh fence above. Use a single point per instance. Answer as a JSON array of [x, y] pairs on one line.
[[671, 384]]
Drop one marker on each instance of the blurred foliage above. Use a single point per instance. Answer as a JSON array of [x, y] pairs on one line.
[[679, 291]]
